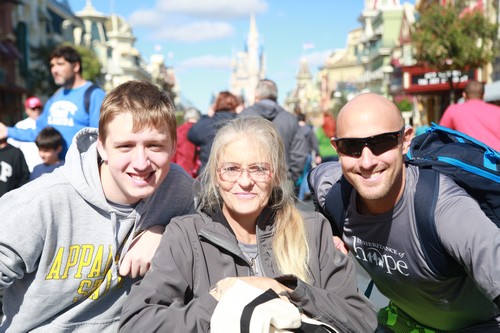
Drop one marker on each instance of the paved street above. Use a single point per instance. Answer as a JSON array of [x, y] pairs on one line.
[[363, 279]]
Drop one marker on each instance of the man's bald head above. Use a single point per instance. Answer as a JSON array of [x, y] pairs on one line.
[[374, 166], [368, 114]]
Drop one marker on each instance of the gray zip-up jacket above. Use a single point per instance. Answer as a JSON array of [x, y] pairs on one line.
[[61, 242], [197, 251]]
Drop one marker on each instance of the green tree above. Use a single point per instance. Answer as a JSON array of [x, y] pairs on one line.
[[446, 38], [404, 104], [340, 101], [90, 64]]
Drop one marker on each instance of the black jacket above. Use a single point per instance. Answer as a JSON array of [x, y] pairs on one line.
[[203, 133]]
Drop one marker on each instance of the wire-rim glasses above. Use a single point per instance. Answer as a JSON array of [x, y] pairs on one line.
[[232, 172]]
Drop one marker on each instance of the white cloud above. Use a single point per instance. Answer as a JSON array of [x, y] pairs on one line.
[[194, 32], [165, 28], [207, 61], [316, 59], [146, 19], [178, 19], [213, 9]]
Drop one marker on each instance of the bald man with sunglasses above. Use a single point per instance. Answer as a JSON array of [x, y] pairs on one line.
[[380, 227]]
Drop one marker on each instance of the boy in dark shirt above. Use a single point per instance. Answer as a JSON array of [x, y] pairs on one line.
[[49, 142], [14, 171]]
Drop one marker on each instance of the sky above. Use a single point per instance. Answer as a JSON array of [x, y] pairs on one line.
[[198, 38]]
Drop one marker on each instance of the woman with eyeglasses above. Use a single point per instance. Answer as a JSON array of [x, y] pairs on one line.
[[249, 229]]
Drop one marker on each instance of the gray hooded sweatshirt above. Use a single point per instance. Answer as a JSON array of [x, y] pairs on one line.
[[287, 125], [61, 244]]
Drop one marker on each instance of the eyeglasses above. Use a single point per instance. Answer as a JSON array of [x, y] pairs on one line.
[[232, 172], [36, 108], [378, 144]]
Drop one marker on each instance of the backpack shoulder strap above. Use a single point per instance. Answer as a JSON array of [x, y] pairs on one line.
[[336, 203], [86, 96], [426, 194]]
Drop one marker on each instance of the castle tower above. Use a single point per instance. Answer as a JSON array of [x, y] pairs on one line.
[[247, 67], [305, 96]]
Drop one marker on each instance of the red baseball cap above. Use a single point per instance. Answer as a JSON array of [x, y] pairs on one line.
[[33, 102]]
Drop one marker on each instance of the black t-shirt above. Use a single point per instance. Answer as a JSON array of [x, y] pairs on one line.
[[14, 171]]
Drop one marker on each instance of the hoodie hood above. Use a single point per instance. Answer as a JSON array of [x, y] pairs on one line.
[[267, 109], [82, 175]]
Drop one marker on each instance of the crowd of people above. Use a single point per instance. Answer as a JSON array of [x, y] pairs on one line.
[[126, 221], [74, 106]]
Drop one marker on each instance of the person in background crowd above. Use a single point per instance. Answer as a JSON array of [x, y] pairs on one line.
[[67, 109], [266, 106], [187, 154], [380, 227], [203, 132], [33, 108], [247, 228], [75, 240], [49, 142], [14, 171], [241, 104], [475, 117], [313, 157], [324, 133]]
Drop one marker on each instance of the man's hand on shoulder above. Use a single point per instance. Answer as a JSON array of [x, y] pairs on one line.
[[137, 260]]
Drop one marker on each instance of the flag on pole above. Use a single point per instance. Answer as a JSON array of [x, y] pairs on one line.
[[308, 45]]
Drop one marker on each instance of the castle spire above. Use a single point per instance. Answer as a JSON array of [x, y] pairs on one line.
[[248, 67], [88, 4], [253, 33]]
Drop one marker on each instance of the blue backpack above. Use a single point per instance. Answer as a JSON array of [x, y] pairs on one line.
[[470, 163]]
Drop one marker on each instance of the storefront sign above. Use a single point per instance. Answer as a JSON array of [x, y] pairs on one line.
[[417, 79], [439, 78]]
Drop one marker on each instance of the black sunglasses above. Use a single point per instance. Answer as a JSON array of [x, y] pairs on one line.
[[378, 144]]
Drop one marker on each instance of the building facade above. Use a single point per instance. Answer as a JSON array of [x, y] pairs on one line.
[[305, 97], [339, 76], [29, 31], [430, 88]]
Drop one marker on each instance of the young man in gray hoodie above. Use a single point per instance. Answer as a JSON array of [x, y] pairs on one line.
[[74, 241]]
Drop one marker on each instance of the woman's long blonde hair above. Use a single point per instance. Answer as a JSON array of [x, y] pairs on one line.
[[290, 246]]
